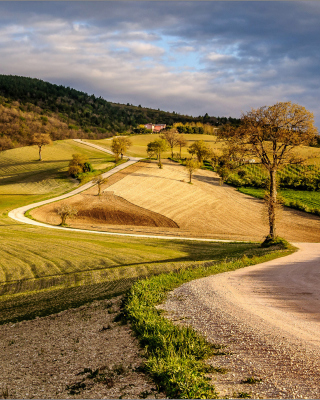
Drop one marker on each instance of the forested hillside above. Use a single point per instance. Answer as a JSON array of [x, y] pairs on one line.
[[19, 122], [89, 112]]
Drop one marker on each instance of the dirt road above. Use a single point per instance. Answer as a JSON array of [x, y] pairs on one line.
[[268, 316]]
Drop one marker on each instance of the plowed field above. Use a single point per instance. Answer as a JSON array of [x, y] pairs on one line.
[[203, 209]]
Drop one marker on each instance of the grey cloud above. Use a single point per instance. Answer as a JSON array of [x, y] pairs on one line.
[[246, 54]]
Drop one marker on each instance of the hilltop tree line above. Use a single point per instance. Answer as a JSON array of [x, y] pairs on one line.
[[91, 113]]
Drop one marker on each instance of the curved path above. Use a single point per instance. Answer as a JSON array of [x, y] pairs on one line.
[[268, 316], [18, 214]]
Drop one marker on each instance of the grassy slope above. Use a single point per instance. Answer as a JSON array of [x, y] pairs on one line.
[[175, 353], [139, 144], [23, 179], [44, 270], [310, 198]]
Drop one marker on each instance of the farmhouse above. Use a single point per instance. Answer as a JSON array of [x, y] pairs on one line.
[[155, 127]]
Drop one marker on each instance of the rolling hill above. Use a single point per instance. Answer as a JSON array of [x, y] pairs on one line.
[[95, 117]]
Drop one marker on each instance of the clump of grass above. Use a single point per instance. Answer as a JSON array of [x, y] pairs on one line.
[[5, 393], [251, 380], [175, 355], [242, 395]]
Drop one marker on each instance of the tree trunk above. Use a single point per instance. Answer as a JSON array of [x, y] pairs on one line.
[[39, 153], [272, 203], [63, 218], [180, 151], [190, 173], [171, 152]]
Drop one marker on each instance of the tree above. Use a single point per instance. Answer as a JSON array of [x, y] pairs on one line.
[[182, 142], [79, 164], [171, 137], [99, 180], [271, 134], [119, 146], [192, 165], [41, 139], [125, 143], [201, 150], [156, 148], [66, 210]]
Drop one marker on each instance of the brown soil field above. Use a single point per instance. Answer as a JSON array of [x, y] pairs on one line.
[[203, 209], [76, 354]]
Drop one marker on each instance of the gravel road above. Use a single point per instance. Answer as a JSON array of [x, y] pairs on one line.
[[268, 317]]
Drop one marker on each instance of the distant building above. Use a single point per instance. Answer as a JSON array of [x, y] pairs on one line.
[[155, 127]]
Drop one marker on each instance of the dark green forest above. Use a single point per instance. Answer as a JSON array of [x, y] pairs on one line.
[[91, 114]]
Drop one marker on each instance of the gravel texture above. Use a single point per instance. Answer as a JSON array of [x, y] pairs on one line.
[[78, 353], [273, 342]]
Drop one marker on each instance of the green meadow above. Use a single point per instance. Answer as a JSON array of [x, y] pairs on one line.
[[45, 270], [140, 142]]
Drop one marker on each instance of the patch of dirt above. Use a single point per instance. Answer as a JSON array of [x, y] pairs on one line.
[[78, 353], [107, 209], [111, 209], [204, 209]]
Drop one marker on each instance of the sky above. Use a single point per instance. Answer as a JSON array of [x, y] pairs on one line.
[[191, 57]]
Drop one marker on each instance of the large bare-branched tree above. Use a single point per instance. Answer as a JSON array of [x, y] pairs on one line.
[[271, 134]]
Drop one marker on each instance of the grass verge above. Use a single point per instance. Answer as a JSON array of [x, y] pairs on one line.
[[175, 355]]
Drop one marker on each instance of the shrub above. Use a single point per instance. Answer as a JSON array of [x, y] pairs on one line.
[[78, 165], [277, 241]]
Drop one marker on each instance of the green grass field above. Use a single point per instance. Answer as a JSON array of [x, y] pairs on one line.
[[24, 180], [309, 198], [139, 144], [43, 270]]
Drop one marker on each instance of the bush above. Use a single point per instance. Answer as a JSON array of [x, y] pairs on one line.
[[78, 165], [277, 241]]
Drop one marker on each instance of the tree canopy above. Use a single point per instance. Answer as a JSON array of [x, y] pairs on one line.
[[201, 150], [270, 134]]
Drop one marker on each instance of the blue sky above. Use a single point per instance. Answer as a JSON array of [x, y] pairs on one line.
[[220, 58]]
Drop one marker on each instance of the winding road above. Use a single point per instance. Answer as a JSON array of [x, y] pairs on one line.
[[277, 303], [18, 214]]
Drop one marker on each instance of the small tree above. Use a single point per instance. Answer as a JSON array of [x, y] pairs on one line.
[[156, 148], [192, 165], [119, 146], [271, 134], [99, 180], [66, 210], [201, 150], [171, 137], [182, 142], [79, 164], [116, 148], [41, 139]]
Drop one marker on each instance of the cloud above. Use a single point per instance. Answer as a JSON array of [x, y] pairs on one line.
[[191, 57]]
